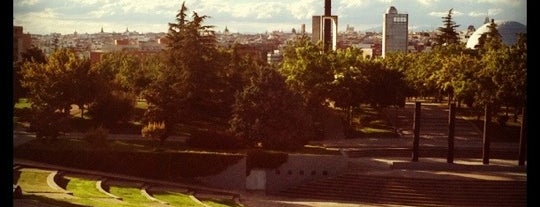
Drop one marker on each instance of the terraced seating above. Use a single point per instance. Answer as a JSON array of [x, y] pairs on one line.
[[34, 180], [145, 193], [94, 190], [413, 191], [129, 191]]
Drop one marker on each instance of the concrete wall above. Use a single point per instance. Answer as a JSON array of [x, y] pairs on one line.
[[232, 178], [297, 170], [256, 180], [303, 168]]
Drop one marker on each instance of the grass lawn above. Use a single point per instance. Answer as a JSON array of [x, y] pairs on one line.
[[370, 122], [176, 199], [23, 103], [507, 133], [32, 180], [86, 194], [131, 195], [84, 188]]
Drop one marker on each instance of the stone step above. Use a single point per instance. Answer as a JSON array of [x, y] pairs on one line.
[[432, 152], [413, 191]]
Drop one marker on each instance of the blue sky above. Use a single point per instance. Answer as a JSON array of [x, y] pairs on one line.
[[249, 16]]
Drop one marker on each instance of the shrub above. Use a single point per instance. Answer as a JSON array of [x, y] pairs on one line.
[[97, 136], [155, 131], [48, 124]]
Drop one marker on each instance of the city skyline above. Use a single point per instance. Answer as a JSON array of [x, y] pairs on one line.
[[244, 16]]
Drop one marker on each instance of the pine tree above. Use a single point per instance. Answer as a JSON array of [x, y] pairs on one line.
[[448, 34], [187, 84]]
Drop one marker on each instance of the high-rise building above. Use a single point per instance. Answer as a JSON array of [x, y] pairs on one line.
[[324, 27], [395, 29]]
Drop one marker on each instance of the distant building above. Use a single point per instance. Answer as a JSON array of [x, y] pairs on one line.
[[274, 58], [508, 30], [395, 31], [324, 28], [21, 42]]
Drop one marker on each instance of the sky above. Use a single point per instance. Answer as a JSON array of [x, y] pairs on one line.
[[251, 16]]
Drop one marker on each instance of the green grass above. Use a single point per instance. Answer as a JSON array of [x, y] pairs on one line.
[[141, 104], [176, 199], [34, 181], [375, 131], [508, 133], [23, 103], [86, 193], [131, 195], [370, 122], [84, 188]]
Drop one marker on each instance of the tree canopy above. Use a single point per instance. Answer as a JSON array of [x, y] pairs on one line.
[[269, 113]]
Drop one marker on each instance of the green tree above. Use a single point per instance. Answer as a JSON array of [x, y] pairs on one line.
[[447, 34], [111, 108], [32, 54], [116, 74], [348, 88], [188, 86], [418, 70], [309, 72], [53, 86], [384, 87], [269, 113], [238, 70], [503, 77]]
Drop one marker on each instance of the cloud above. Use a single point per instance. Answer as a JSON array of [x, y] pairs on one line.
[[490, 12], [427, 2], [509, 2], [445, 13], [495, 11], [354, 3], [477, 14], [27, 2], [303, 9], [47, 13], [65, 16], [267, 10], [101, 13]]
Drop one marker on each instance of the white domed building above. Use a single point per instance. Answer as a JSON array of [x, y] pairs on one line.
[[507, 29]]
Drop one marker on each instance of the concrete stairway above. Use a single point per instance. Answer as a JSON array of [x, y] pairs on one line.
[[413, 191], [433, 151]]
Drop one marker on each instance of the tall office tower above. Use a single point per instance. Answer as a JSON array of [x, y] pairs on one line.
[[324, 27], [395, 29]]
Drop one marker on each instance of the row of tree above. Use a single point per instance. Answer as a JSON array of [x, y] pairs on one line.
[[276, 106], [492, 73]]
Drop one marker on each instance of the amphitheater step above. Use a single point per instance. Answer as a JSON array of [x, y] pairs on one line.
[[413, 191]]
